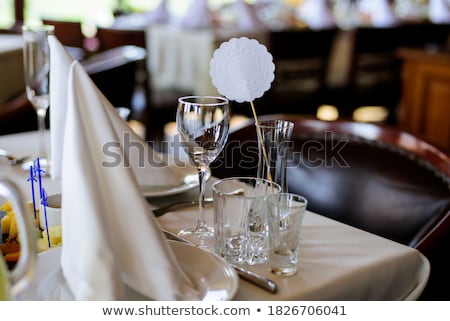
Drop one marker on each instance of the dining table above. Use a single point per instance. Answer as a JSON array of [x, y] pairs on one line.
[[337, 262], [11, 66]]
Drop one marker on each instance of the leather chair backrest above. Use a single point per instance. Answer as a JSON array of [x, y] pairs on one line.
[[372, 177]]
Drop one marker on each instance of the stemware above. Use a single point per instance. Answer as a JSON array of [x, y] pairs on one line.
[[36, 57], [203, 123]]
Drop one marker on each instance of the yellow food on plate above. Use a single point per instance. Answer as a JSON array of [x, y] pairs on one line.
[[6, 207], [11, 247], [6, 223]]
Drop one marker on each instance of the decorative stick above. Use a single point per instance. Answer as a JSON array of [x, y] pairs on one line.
[[32, 180], [44, 205], [258, 131]]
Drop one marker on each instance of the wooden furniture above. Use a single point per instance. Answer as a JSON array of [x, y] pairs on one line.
[[375, 69], [68, 32], [425, 109], [111, 38]]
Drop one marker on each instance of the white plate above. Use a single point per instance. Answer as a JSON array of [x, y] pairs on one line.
[[212, 276], [189, 181]]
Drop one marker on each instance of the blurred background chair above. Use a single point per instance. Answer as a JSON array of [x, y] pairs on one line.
[[70, 34], [150, 107], [301, 59], [375, 73], [17, 115], [376, 178], [109, 38], [114, 73]]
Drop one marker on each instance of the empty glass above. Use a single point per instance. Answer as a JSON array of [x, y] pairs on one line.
[[273, 145], [285, 220], [36, 58], [240, 219], [203, 123]]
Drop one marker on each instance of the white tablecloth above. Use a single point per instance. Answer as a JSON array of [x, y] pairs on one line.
[[179, 58], [11, 67], [337, 262]]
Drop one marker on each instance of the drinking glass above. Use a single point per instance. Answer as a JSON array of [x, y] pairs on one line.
[[274, 141], [36, 58], [203, 123]]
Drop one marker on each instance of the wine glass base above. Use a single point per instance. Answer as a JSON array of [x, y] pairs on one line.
[[203, 237], [43, 163]]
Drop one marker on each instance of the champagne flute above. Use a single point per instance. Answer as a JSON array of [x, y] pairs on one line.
[[36, 57], [203, 123]]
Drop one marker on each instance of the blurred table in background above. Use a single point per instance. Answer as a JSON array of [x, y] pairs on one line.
[[424, 107], [179, 58], [11, 67]]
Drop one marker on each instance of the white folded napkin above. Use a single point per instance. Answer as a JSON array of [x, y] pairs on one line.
[[197, 16], [316, 14], [380, 12], [110, 236], [439, 11], [149, 167], [247, 18], [140, 20]]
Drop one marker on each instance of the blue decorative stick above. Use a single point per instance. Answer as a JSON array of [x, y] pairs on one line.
[[45, 204], [39, 171], [32, 179]]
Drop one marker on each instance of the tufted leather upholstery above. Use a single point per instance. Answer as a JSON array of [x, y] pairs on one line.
[[372, 177]]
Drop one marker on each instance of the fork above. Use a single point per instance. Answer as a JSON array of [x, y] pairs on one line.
[[178, 205]]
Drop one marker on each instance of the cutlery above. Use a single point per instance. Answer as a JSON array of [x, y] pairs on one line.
[[178, 205], [11, 160], [252, 277]]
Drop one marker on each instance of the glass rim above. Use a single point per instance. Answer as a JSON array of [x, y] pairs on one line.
[[219, 100], [244, 178], [300, 198], [47, 28], [275, 123]]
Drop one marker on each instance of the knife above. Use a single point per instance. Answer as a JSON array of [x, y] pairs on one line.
[[249, 276], [178, 205]]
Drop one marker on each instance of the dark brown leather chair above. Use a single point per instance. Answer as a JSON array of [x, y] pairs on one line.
[[372, 177], [155, 107], [17, 115], [114, 72], [69, 33]]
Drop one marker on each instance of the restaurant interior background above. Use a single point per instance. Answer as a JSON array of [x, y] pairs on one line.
[[347, 66], [344, 76]]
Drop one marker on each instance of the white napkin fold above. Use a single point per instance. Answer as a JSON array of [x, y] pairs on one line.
[[247, 18], [197, 16], [316, 13], [150, 168], [380, 11], [110, 236], [439, 11], [159, 15]]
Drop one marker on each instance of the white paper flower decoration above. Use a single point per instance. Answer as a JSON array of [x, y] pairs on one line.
[[242, 69]]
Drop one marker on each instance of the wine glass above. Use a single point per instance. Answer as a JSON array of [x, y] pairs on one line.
[[36, 58], [203, 123]]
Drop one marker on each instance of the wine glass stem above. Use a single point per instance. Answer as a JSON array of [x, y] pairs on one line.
[[201, 224], [41, 128]]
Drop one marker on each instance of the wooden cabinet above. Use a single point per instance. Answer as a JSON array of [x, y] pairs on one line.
[[425, 105]]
